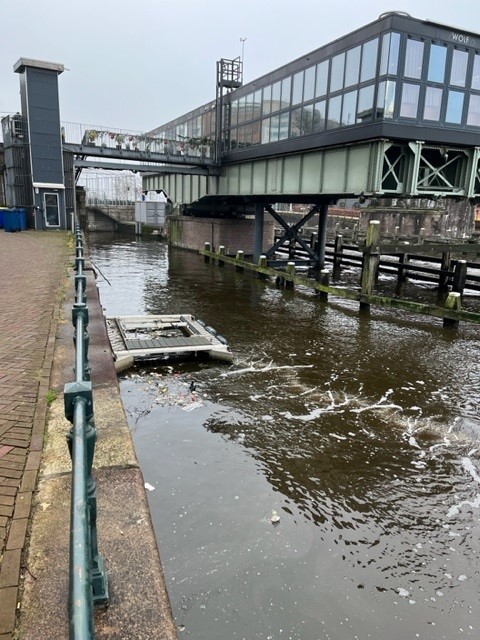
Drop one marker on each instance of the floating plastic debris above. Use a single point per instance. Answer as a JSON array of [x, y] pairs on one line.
[[274, 518], [149, 487]]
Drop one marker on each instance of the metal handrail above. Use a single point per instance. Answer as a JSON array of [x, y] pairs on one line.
[[88, 577]]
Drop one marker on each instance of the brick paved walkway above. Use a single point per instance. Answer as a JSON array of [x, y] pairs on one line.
[[32, 274]]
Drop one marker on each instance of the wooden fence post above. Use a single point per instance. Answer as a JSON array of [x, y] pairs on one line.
[[240, 257], [207, 248], [445, 267]]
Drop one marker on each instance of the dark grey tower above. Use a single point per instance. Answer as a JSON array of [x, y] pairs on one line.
[[43, 141]]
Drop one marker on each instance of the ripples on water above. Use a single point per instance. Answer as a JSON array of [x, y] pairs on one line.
[[361, 432]]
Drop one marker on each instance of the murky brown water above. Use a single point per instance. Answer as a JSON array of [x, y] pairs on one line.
[[362, 433]]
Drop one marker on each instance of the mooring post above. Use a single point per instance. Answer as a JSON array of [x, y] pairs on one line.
[[138, 228], [445, 267], [325, 280], [207, 248], [356, 228], [421, 236], [322, 234], [371, 259], [395, 233], [403, 259], [453, 302], [221, 252], [290, 284], [338, 250], [262, 262], [258, 232], [313, 242], [240, 257], [459, 276]]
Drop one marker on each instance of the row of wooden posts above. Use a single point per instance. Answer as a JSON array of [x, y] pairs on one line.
[[370, 260]]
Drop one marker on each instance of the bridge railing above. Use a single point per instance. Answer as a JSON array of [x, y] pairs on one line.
[[88, 578], [121, 139]]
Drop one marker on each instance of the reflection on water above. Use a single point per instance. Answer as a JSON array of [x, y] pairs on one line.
[[360, 432]]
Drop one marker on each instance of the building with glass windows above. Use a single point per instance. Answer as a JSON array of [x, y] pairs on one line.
[[398, 78]]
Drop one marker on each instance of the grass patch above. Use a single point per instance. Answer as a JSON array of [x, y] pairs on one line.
[[51, 396]]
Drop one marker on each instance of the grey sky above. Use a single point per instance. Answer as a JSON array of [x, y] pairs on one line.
[[135, 65]]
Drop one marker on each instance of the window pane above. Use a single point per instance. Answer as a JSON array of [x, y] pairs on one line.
[[336, 79], [334, 108], [296, 123], [459, 68], [307, 120], [240, 137], [319, 116], [349, 108], [257, 103], [369, 60], [390, 49], [365, 104], [286, 88], [473, 118], [265, 130], [241, 109], [433, 103], [297, 88], [309, 84], [352, 66], [274, 127], [476, 72], [284, 121], [248, 135], [234, 113], [276, 92], [436, 64], [454, 107], [409, 106], [414, 59], [386, 99], [249, 107], [322, 77], [233, 139], [256, 133], [267, 100]]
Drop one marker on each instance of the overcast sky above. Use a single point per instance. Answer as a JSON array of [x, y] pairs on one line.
[[137, 64]]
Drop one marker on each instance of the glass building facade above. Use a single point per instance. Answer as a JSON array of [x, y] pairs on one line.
[[397, 71]]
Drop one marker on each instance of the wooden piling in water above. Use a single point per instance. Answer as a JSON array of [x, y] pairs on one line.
[[445, 267], [454, 303], [371, 260], [459, 276], [206, 258], [241, 258], [290, 284], [338, 250], [221, 252], [262, 263], [325, 281]]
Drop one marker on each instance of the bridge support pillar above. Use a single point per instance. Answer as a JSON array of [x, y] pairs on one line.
[[258, 232]]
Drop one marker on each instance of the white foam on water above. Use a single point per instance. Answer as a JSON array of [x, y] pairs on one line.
[[470, 468]]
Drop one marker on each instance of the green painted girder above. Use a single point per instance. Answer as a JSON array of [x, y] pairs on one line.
[[373, 168]]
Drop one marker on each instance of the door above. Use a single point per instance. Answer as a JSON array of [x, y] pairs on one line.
[[51, 211]]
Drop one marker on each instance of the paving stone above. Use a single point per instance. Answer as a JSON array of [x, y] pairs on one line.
[[29, 480], [10, 570], [23, 504], [8, 608], [16, 536]]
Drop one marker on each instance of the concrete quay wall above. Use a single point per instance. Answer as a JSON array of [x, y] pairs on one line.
[[139, 604]]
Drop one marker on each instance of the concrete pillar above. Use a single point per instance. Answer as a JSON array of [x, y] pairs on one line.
[[322, 234], [258, 232]]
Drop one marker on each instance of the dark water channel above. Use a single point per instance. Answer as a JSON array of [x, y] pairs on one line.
[[361, 433]]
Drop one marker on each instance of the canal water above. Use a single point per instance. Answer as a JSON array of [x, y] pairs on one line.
[[359, 435]]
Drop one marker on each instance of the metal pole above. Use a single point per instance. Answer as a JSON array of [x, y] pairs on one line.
[[322, 234], [258, 232]]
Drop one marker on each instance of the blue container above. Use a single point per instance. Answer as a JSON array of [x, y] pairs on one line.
[[12, 220], [2, 209], [23, 218]]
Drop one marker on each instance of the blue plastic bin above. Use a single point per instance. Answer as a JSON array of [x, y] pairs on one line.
[[23, 218], [12, 220], [2, 209]]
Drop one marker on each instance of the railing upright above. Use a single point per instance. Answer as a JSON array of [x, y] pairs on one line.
[[88, 577]]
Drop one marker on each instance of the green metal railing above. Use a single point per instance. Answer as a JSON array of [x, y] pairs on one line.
[[88, 577]]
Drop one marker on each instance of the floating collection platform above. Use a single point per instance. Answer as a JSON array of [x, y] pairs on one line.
[[136, 338]]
